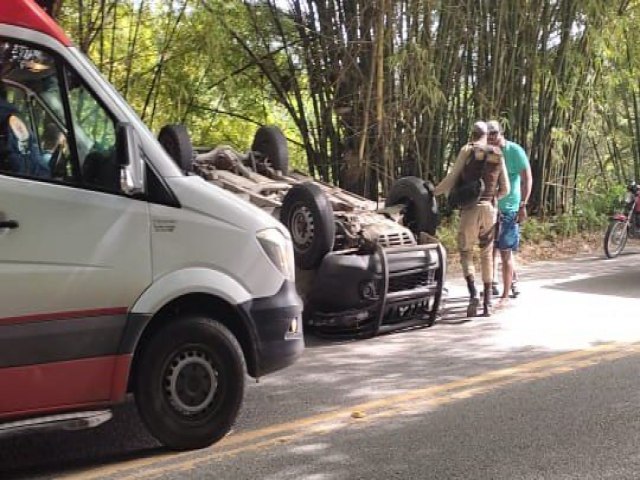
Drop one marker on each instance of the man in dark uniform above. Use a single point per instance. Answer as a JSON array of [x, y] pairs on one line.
[[476, 160]]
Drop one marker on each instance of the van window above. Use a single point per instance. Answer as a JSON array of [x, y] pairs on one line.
[[34, 132], [95, 134], [33, 140]]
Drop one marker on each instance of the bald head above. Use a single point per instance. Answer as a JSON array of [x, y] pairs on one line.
[[478, 131]]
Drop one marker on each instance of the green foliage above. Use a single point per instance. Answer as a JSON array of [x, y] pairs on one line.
[[562, 75], [591, 216], [448, 231], [174, 62], [535, 231]]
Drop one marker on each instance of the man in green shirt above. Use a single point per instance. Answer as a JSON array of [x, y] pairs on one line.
[[513, 207]]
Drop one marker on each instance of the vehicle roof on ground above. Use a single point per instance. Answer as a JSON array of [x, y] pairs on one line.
[[27, 14]]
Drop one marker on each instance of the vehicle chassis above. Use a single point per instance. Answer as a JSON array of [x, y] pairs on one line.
[[378, 286]]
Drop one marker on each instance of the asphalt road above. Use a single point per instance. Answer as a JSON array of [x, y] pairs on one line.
[[543, 389]]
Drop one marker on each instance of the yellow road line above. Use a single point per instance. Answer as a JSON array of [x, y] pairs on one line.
[[384, 407]]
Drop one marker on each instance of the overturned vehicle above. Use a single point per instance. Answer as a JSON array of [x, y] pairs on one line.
[[360, 268]]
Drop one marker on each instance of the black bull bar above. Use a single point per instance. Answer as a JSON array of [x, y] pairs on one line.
[[363, 295]]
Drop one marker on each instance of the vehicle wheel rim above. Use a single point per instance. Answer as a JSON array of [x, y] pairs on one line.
[[302, 227], [617, 237], [191, 382]]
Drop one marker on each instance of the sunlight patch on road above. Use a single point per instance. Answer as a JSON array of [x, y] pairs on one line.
[[413, 402], [578, 321]]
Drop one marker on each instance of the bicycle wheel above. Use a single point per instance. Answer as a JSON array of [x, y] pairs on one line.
[[615, 239]]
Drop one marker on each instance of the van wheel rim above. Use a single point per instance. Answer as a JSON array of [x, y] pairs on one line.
[[302, 227], [191, 382]]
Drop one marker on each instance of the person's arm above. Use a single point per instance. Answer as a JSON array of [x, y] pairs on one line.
[[504, 186], [526, 184], [448, 182]]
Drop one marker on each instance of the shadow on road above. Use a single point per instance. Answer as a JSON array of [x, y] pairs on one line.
[[334, 374], [43, 454], [595, 275], [591, 265], [455, 311], [625, 283], [330, 374]]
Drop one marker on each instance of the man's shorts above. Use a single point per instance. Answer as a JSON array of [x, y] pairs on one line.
[[508, 231]]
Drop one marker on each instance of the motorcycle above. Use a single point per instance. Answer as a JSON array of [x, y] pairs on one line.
[[623, 226]]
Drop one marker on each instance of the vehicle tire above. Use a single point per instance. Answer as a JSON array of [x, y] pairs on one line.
[[176, 141], [615, 239], [189, 383], [437, 296], [421, 208], [271, 142], [307, 213]]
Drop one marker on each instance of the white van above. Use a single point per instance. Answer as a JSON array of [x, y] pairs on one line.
[[118, 273]]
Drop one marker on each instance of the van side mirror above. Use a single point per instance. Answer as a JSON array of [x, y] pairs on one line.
[[129, 159], [124, 144]]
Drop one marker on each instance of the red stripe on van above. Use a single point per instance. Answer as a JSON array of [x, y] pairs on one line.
[[47, 317], [60, 386], [120, 382]]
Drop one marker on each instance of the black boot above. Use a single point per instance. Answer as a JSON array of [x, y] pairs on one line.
[[472, 309], [486, 304]]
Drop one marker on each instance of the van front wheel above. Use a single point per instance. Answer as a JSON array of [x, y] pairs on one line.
[[190, 383]]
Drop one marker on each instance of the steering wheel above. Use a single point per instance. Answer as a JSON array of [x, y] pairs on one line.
[[57, 162]]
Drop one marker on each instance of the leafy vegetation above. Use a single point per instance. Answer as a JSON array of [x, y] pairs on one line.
[[368, 91]]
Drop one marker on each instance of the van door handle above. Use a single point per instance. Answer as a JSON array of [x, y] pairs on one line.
[[9, 224]]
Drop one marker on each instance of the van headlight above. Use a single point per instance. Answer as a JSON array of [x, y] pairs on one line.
[[279, 249]]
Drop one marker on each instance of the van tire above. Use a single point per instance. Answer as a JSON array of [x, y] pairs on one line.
[[272, 144], [421, 208], [190, 382], [307, 213], [176, 141]]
